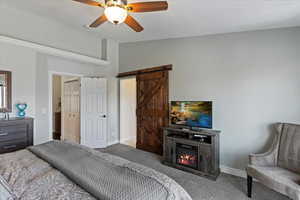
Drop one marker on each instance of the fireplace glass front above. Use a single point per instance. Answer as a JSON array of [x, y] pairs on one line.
[[187, 155]]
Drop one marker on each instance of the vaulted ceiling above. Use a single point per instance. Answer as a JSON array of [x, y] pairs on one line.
[[184, 18]]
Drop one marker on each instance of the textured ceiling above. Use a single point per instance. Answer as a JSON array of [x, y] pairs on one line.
[[184, 18]]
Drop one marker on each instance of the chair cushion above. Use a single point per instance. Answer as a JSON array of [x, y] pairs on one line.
[[278, 179], [289, 147]]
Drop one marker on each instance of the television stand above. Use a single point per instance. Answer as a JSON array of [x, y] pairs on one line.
[[192, 151]]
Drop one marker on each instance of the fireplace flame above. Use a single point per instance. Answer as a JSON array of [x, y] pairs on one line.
[[187, 159]]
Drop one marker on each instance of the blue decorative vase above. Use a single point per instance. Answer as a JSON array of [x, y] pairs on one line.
[[21, 109]]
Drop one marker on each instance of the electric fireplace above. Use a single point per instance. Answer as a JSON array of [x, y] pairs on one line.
[[187, 155]]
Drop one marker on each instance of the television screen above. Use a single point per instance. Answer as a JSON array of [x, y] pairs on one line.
[[191, 113]]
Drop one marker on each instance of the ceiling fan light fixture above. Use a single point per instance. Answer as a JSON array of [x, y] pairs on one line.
[[116, 11], [115, 14]]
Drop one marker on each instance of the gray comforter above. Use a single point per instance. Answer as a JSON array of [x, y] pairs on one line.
[[97, 174]]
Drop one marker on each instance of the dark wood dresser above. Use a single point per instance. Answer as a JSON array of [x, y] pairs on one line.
[[15, 134]]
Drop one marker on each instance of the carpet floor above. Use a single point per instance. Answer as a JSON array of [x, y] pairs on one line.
[[227, 187]]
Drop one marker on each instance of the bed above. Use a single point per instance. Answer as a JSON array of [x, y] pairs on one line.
[[62, 170]]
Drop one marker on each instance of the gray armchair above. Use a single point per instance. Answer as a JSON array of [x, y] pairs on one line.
[[279, 168]]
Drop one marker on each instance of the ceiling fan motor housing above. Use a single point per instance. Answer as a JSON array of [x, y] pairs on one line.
[[116, 2]]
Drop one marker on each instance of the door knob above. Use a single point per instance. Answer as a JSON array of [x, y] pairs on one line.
[[103, 116]]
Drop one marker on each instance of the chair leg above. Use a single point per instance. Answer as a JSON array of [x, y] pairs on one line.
[[249, 184]]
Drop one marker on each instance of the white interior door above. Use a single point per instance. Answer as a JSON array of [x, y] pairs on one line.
[[71, 111], [94, 112]]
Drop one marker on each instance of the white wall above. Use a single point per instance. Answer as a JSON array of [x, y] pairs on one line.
[[252, 78], [31, 69], [22, 63], [46, 64], [128, 110], [28, 26]]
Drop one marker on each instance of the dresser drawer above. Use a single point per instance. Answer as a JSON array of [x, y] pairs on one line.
[[15, 132], [10, 146]]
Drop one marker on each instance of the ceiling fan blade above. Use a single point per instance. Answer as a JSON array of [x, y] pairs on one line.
[[98, 21], [132, 23], [148, 6], [89, 2]]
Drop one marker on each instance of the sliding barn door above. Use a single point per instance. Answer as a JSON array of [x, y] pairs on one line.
[[152, 110], [94, 112], [71, 111]]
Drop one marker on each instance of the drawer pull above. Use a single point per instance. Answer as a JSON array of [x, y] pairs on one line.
[[3, 134], [10, 147]]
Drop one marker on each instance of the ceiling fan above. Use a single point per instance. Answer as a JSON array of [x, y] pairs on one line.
[[116, 11]]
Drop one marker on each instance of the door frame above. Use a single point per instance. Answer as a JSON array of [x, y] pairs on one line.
[[50, 95], [120, 131]]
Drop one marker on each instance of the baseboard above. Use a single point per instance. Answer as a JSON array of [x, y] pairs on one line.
[[126, 140], [112, 142], [233, 171], [224, 169]]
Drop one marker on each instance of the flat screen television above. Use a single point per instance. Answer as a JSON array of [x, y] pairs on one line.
[[191, 114]]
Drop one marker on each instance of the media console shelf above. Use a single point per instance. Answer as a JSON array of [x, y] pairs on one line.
[[195, 151]]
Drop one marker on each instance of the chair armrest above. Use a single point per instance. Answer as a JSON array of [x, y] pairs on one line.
[[264, 159], [269, 158]]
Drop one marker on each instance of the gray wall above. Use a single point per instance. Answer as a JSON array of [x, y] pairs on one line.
[[252, 78]]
